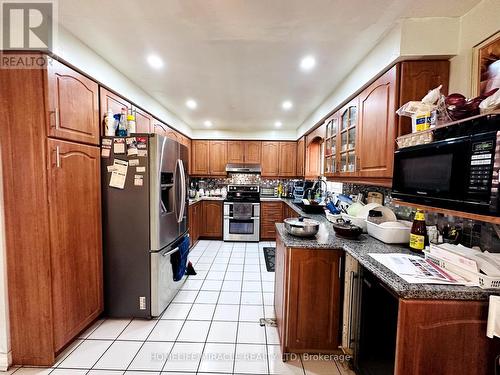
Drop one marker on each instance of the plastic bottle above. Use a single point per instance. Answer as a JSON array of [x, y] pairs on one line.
[[418, 234], [131, 124], [122, 127], [109, 124]]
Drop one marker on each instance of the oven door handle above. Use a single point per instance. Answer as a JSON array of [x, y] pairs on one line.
[[250, 218], [354, 276]]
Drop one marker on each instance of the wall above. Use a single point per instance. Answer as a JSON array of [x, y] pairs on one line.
[[5, 353], [478, 24], [283, 135], [71, 49]]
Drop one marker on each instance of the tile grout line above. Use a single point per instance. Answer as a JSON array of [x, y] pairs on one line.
[[216, 303], [239, 311]]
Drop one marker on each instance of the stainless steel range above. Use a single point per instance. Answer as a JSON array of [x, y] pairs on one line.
[[242, 213]]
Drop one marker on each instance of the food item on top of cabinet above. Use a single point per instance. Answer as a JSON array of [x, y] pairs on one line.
[[490, 103], [418, 234]]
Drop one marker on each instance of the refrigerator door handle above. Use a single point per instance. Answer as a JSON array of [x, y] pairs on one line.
[[169, 252], [183, 191]]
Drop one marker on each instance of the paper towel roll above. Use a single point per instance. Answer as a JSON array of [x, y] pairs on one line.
[[493, 326]]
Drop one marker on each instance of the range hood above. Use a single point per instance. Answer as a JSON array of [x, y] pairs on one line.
[[243, 168]]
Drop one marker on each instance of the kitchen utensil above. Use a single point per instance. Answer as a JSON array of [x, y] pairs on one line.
[[345, 228], [390, 231], [301, 226], [375, 197]]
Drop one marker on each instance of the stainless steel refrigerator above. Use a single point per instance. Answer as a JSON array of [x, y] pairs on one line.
[[144, 221]]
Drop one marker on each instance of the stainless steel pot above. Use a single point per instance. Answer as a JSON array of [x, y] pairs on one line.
[[302, 226]]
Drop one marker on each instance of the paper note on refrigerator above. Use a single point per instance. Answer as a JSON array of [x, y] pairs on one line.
[[119, 146], [119, 174]]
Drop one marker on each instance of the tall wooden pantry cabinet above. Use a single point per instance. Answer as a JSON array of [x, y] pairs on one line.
[[51, 183]]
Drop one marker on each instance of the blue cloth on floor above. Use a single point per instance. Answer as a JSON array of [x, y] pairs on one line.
[[179, 259]]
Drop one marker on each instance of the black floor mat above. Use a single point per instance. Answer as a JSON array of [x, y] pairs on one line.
[[269, 255]]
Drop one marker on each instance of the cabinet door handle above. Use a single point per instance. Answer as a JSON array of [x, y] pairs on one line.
[[58, 157], [55, 124], [340, 268]]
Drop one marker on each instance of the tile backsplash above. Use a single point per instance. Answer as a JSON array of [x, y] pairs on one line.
[[486, 236]]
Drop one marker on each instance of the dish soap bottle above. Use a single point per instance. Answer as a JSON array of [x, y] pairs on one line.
[[418, 234]]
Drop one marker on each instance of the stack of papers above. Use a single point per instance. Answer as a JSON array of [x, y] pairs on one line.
[[417, 270]]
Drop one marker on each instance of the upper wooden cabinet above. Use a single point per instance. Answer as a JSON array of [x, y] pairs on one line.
[[416, 79], [377, 133], [270, 159], [73, 101], [199, 157], [217, 157], [248, 152], [287, 159], [235, 152], [143, 121], [159, 128], [301, 154], [253, 152], [111, 101], [361, 136]]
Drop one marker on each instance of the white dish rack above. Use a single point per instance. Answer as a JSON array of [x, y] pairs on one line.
[[481, 280]]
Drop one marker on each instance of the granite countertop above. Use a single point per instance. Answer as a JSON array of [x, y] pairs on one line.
[[359, 249], [199, 199]]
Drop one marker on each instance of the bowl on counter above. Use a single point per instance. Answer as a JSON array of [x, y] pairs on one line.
[[301, 226], [346, 229]]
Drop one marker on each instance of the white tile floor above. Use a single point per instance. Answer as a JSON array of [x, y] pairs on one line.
[[211, 327]]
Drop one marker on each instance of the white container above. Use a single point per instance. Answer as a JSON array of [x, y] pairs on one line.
[[109, 124], [391, 231], [360, 219]]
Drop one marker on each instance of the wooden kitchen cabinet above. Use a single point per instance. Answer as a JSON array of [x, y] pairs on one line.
[[287, 159], [235, 151], [362, 150], [217, 156], [73, 105], [416, 79], [440, 330], [111, 101], [75, 234], [253, 152], [377, 130], [270, 159], [301, 154], [199, 157], [159, 128], [212, 219], [53, 264], [308, 299], [270, 213], [143, 121], [195, 219]]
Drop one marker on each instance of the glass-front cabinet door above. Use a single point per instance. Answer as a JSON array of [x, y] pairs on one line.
[[331, 135], [347, 146]]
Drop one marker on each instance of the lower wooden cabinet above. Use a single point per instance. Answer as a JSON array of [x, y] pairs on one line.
[[444, 337], [212, 219], [270, 213], [195, 217], [307, 299], [75, 235]]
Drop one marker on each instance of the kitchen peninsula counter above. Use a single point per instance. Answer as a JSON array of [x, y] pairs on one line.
[[359, 249]]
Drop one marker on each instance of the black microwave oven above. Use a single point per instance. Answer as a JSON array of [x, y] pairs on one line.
[[458, 173]]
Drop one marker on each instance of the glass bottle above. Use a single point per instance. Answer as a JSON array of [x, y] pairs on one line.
[[418, 234]]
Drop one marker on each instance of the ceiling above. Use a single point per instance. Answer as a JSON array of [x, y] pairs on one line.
[[239, 59]]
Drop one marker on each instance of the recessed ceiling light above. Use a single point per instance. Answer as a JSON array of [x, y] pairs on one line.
[[208, 123], [155, 61], [278, 124], [191, 104], [307, 63], [286, 105]]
